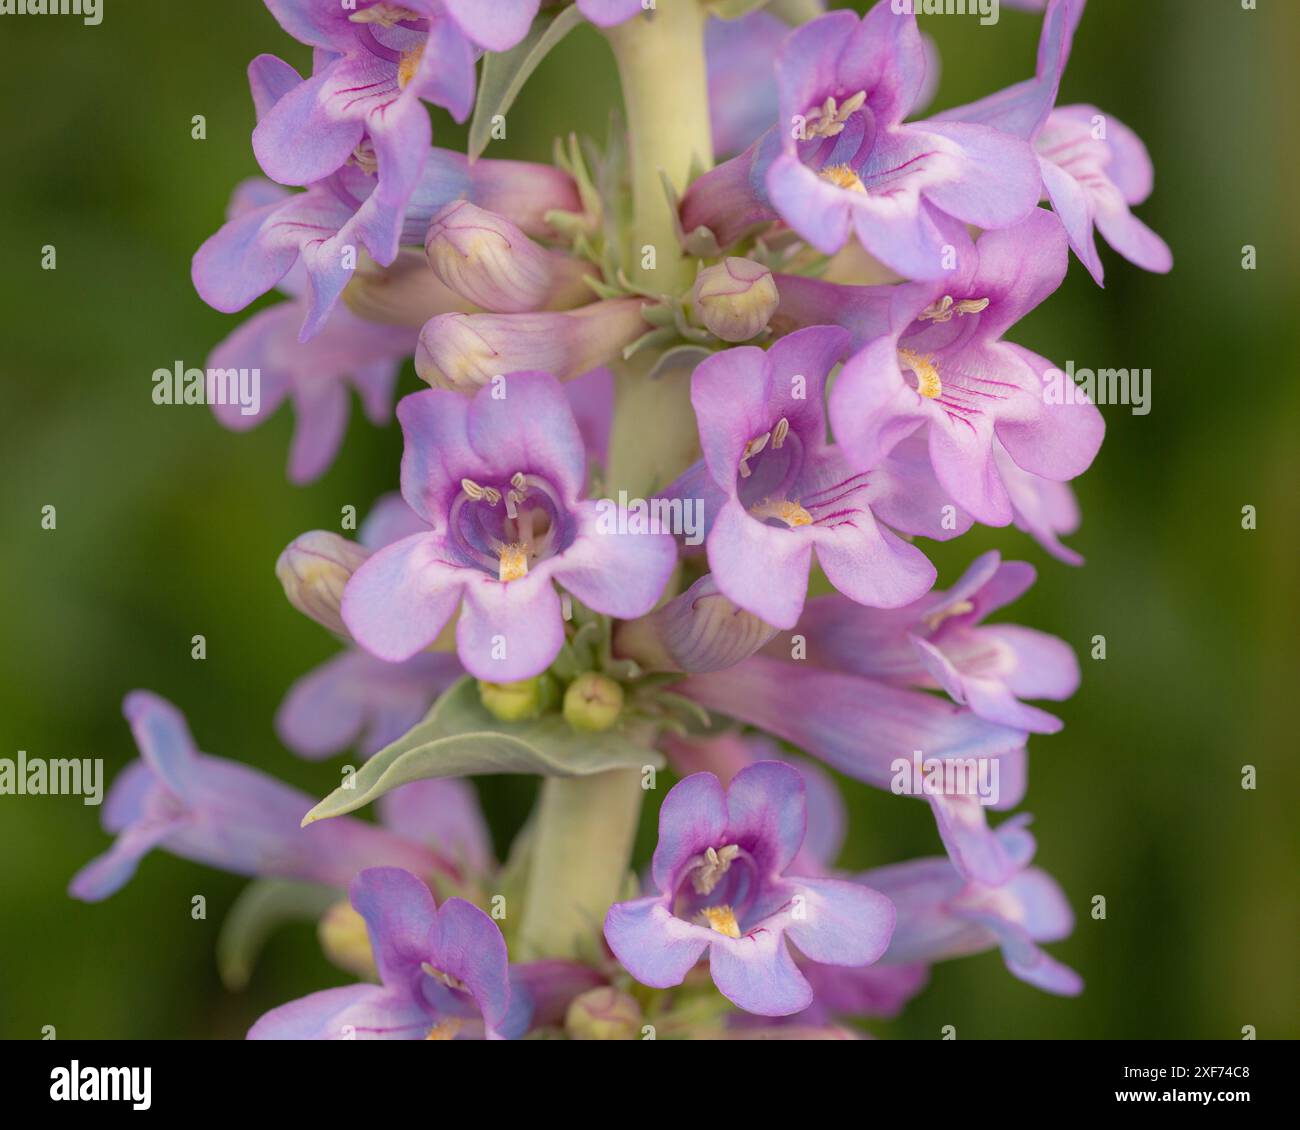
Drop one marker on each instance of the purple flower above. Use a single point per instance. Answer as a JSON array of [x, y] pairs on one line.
[[1041, 508], [776, 492], [499, 480], [964, 382], [940, 642], [226, 815], [357, 700], [841, 159], [375, 63], [743, 99], [863, 727], [942, 914], [324, 227], [316, 375], [1093, 167], [720, 872], [443, 970]]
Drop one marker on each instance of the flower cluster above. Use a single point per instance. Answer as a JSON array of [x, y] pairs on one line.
[[698, 398]]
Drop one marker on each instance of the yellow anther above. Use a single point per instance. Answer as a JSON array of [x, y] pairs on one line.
[[476, 493], [779, 433], [841, 176], [446, 978], [791, 513], [721, 919], [447, 1030], [409, 65], [828, 119], [513, 562], [927, 376], [363, 156]]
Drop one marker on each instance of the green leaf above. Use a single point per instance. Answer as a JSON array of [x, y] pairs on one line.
[[459, 738], [505, 73], [261, 908]]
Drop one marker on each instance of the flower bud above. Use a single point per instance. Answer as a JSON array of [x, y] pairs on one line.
[[405, 294], [466, 351], [522, 700], [593, 702], [489, 261], [736, 298], [698, 631], [603, 1014], [313, 570], [343, 938]]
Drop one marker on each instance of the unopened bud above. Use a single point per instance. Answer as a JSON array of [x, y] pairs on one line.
[[736, 298], [343, 938], [603, 1014], [314, 569], [520, 701], [464, 352], [489, 261], [593, 702]]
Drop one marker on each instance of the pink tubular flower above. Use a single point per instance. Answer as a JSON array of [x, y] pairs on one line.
[[499, 480]]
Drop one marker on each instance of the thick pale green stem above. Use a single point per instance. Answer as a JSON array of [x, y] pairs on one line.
[[795, 11], [585, 827], [666, 97]]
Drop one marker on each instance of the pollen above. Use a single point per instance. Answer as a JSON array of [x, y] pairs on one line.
[[410, 63], [791, 513], [841, 176], [447, 1030], [927, 376], [721, 919], [514, 562]]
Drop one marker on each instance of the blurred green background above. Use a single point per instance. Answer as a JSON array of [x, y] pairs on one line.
[[169, 526]]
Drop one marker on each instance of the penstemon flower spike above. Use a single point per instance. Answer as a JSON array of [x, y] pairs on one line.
[[673, 407]]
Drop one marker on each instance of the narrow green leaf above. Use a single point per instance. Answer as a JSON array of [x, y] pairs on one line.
[[504, 74], [459, 738]]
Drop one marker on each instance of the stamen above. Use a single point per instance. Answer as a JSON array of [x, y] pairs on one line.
[[490, 495], [752, 448], [828, 120], [513, 562], [518, 480], [409, 65], [446, 978], [943, 310], [363, 156], [791, 513], [513, 499], [779, 433], [447, 1030], [927, 376], [711, 867], [385, 15], [959, 609], [841, 176], [721, 919]]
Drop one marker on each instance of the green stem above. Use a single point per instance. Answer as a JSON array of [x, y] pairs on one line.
[[666, 97], [795, 11], [584, 833]]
